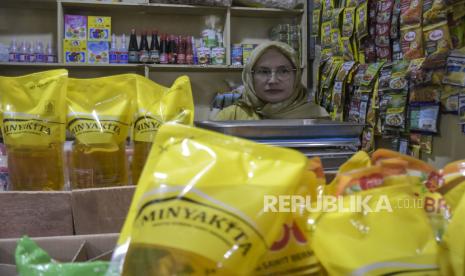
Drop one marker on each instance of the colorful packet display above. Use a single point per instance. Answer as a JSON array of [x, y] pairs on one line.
[[33, 121], [190, 214], [437, 44], [100, 113], [424, 118], [348, 22], [396, 109], [157, 105], [450, 98], [425, 94], [326, 35], [434, 11], [316, 22], [361, 21], [411, 11], [412, 42], [455, 72]]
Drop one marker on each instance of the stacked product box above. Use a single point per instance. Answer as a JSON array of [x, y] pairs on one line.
[[86, 39]]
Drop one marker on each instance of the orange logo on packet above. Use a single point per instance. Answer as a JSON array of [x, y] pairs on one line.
[[296, 232]]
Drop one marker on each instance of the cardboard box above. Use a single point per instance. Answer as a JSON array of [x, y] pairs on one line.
[[99, 28], [101, 210], [75, 51], [98, 52], [41, 214], [62, 248], [35, 214], [75, 27]]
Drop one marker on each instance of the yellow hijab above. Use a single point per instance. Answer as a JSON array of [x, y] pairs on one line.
[[295, 107]]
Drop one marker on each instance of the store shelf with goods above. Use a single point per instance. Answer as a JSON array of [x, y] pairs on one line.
[[194, 68], [153, 8], [264, 12]]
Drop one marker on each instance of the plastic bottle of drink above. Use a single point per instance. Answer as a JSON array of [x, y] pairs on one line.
[[173, 52], [123, 51], [13, 51], [133, 50], [22, 52], [113, 50], [39, 51], [49, 56], [31, 55]]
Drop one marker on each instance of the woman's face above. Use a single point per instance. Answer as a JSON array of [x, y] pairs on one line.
[[273, 76]]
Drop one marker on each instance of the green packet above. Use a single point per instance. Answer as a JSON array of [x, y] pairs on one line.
[[31, 260]]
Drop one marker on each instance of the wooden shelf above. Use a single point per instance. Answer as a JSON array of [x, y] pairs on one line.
[[152, 67], [264, 12], [152, 8]]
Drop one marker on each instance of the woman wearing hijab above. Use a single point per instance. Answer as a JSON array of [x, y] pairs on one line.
[[273, 88]]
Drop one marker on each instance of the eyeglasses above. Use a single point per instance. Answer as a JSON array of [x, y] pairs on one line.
[[281, 73]]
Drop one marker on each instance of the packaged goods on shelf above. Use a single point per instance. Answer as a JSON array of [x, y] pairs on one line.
[[75, 51], [223, 3], [99, 28], [280, 4], [75, 27], [98, 52]]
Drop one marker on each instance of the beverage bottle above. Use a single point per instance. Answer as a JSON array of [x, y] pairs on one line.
[[181, 57], [194, 50], [49, 56], [144, 48], [31, 55], [113, 50], [172, 53], [22, 52], [163, 50], [123, 51], [13, 52], [4, 177], [189, 53], [154, 48], [133, 49], [39, 51]]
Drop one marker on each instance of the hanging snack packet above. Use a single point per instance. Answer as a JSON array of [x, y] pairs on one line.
[[425, 94], [326, 35], [450, 98], [336, 18], [157, 105], [348, 22], [455, 72], [361, 21], [412, 42], [396, 109], [434, 11], [410, 13], [347, 52], [100, 112], [316, 22], [33, 109], [395, 19], [424, 118], [336, 43], [437, 45], [199, 205], [328, 7]]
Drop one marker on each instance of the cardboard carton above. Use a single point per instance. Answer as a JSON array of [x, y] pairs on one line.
[[100, 210], [35, 214]]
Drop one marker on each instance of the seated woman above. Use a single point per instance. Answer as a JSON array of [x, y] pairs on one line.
[[273, 88]]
